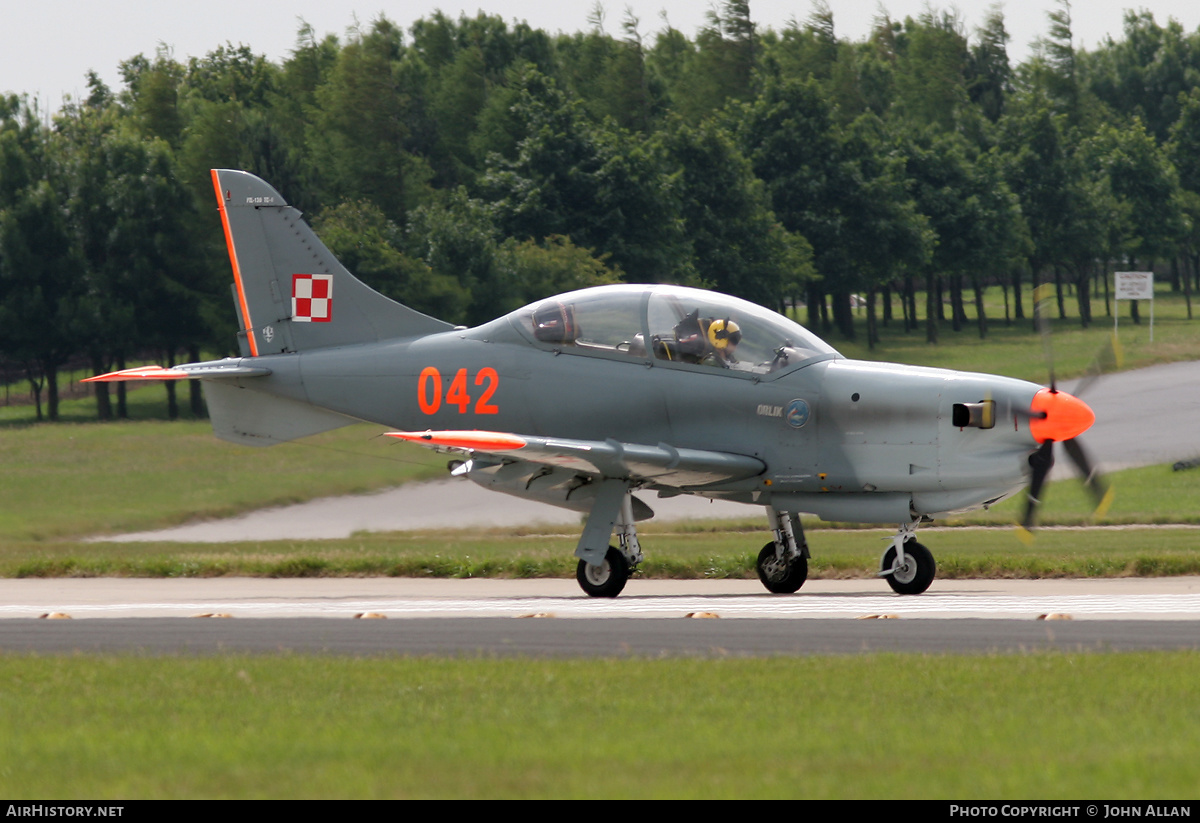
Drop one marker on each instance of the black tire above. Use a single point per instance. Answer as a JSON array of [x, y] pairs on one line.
[[606, 579], [918, 572], [786, 580]]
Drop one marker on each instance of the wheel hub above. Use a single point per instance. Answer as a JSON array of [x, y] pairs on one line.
[[905, 572], [598, 574], [775, 569]]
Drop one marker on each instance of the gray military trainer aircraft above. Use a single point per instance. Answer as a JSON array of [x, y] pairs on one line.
[[583, 399]]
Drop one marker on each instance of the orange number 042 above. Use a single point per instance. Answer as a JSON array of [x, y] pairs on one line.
[[429, 391]]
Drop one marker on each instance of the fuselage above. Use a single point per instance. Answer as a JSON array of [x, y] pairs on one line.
[[847, 440]]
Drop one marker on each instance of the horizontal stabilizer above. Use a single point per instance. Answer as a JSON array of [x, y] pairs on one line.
[[255, 418], [229, 367]]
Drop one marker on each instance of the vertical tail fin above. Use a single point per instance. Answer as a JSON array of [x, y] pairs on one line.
[[291, 293]]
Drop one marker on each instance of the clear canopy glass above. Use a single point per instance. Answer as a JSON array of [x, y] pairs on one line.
[[672, 325]]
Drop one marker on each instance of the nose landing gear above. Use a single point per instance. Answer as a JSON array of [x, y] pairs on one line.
[[908, 566]]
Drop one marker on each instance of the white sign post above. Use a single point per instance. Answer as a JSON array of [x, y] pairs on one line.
[[1135, 285]]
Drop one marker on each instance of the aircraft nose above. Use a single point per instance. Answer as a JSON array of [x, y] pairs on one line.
[[1059, 416]]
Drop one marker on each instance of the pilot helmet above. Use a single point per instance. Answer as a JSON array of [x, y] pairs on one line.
[[555, 323], [723, 332]]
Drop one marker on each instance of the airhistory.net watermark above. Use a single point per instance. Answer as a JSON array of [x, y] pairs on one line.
[[48, 810]]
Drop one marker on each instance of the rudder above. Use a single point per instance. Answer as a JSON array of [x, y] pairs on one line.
[[291, 292]]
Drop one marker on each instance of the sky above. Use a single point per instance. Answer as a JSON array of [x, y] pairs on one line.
[[47, 46]]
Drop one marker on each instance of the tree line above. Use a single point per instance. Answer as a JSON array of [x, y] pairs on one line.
[[469, 166]]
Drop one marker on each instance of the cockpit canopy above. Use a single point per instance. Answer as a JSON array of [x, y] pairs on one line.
[[670, 324]]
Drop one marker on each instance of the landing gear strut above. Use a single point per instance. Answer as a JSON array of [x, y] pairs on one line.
[[783, 563], [608, 577]]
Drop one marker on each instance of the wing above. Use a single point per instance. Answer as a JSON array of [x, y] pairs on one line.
[[660, 465]]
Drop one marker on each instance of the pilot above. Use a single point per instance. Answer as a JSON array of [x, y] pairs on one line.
[[705, 341], [723, 338]]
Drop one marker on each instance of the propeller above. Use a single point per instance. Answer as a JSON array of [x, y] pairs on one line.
[[1059, 417]]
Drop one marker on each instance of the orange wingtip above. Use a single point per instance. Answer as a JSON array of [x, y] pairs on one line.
[[140, 373], [485, 441]]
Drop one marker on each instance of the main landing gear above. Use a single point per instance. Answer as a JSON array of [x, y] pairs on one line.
[[783, 563], [608, 577]]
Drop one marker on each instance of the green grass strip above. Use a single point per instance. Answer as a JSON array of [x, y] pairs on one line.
[[1042, 726], [695, 554]]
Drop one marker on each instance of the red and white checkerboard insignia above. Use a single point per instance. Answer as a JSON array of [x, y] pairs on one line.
[[312, 298]]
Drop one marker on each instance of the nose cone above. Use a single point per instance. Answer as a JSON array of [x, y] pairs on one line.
[[1065, 416]]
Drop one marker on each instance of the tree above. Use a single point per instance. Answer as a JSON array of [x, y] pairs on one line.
[[1184, 152], [1138, 174], [370, 246], [610, 76], [802, 51], [1144, 73], [839, 191], [133, 222], [551, 267], [152, 95], [464, 66], [886, 233], [723, 66], [988, 73], [737, 244], [974, 215], [605, 188], [931, 82], [293, 106], [362, 129], [456, 237], [1054, 76], [1039, 170], [40, 290]]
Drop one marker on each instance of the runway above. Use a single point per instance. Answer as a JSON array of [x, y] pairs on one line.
[[651, 618], [1172, 598]]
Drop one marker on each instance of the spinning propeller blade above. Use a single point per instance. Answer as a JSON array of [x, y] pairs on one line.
[[1110, 358], [1042, 461], [1058, 417], [1100, 491], [1041, 296]]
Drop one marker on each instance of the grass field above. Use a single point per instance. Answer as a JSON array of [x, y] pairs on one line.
[[1040, 726], [95, 478]]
